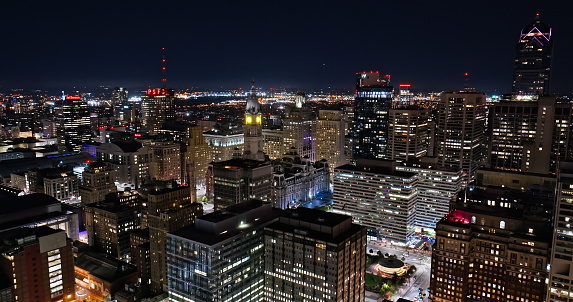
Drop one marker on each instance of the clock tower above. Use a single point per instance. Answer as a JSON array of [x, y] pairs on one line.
[[253, 127]]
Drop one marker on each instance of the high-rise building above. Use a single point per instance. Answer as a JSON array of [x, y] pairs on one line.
[[222, 256], [130, 160], [157, 108], [530, 134], [40, 261], [196, 158], [330, 137], [98, 180], [436, 188], [314, 255], [460, 132], [299, 128], [561, 273], [274, 145], [62, 186], [223, 145], [485, 253], [407, 133], [108, 226], [378, 197], [166, 163], [72, 123], [165, 210], [372, 104], [140, 254], [533, 55]]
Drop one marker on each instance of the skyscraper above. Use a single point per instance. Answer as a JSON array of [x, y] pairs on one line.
[[532, 67], [157, 108], [372, 103], [460, 131], [72, 123], [407, 133], [299, 128], [330, 132]]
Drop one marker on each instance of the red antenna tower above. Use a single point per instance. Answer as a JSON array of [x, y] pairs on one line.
[[164, 80]]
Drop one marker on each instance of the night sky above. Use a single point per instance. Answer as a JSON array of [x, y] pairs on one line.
[[308, 45]]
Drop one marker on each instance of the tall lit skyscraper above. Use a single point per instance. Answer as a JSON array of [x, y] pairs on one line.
[[330, 132], [72, 123], [372, 103], [407, 133], [460, 131], [157, 108], [534, 51]]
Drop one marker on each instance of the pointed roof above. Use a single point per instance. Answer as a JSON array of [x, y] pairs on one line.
[[537, 30], [253, 105]]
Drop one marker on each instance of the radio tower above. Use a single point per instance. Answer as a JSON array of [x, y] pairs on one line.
[[164, 80]]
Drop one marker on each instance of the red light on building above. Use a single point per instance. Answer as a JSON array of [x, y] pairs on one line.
[[137, 135], [404, 85], [158, 91], [466, 74], [73, 97], [387, 75]]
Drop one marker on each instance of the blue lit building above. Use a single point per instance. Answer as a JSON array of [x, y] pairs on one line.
[[372, 104]]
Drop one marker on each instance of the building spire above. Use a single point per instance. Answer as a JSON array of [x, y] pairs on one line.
[[253, 106], [164, 79]]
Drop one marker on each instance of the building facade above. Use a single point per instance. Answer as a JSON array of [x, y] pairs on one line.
[[314, 255], [330, 137], [221, 257], [533, 56], [407, 133], [372, 105], [460, 132], [130, 160], [98, 180], [378, 197], [157, 108]]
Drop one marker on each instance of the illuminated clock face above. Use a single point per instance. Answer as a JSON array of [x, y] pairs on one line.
[[249, 119], [258, 119]]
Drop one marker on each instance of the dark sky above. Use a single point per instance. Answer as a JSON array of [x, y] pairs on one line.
[[306, 44]]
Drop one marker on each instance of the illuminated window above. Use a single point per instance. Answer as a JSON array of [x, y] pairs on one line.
[[502, 224]]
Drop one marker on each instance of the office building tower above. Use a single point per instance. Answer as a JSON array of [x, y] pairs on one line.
[[372, 104], [130, 160], [108, 226], [157, 108], [530, 134], [436, 188], [299, 128], [166, 163], [40, 262], [222, 256], [238, 180], [485, 253], [378, 197], [98, 180], [72, 123], [140, 254], [460, 132], [297, 180], [274, 145], [407, 133], [330, 137], [165, 210], [196, 158], [533, 55], [224, 144], [122, 110], [62, 186], [561, 273], [332, 266]]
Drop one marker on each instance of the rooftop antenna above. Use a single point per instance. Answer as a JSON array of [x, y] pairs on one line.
[[466, 81], [164, 80]]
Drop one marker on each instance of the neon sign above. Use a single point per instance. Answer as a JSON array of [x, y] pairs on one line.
[[73, 97], [158, 91]]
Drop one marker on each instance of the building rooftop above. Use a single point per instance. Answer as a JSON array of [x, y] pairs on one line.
[[239, 163], [104, 267], [129, 146], [376, 169]]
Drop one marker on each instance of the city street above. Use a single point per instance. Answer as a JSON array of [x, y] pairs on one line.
[[420, 279]]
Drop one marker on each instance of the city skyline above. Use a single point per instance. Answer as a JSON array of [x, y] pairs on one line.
[[295, 45]]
